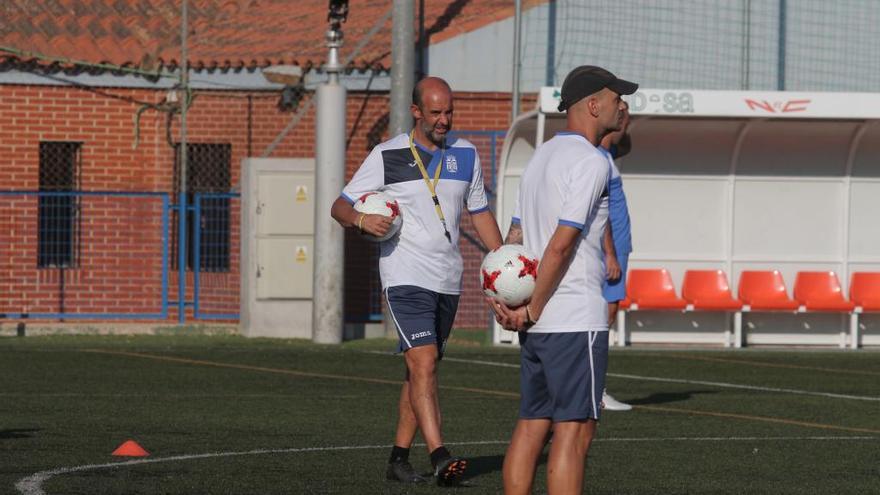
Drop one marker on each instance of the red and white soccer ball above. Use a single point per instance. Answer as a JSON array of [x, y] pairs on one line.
[[508, 274], [379, 203]]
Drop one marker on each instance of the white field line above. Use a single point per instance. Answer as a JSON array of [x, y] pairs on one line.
[[689, 382], [32, 485], [748, 387], [152, 395]]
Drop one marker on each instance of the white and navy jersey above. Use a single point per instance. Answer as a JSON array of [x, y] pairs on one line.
[[421, 255], [565, 183]]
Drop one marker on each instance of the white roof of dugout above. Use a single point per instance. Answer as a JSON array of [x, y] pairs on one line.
[[720, 133]]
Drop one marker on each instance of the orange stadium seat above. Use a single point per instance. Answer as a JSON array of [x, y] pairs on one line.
[[864, 290], [765, 291], [652, 289], [708, 290], [820, 291]]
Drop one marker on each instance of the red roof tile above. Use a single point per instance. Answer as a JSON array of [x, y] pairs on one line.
[[146, 33]]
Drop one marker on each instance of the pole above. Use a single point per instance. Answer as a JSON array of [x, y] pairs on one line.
[[550, 69], [780, 59], [181, 203], [422, 45], [747, 44], [517, 28], [327, 310], [402, 66], [402, 81]]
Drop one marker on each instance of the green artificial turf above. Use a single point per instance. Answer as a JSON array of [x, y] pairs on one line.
[[293, 417]]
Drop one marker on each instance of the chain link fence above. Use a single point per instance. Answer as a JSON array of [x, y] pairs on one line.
[[804, 45], [472, 309]]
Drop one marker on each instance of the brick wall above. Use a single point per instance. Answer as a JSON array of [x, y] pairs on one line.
[[120, 236]]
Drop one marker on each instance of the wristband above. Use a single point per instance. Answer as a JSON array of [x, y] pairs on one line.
[[529, 320]]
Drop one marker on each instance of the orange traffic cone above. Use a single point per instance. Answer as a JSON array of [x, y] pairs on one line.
[[130, 449]]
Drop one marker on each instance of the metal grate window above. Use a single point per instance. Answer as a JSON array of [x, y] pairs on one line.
[[58, 205], [208, 174]]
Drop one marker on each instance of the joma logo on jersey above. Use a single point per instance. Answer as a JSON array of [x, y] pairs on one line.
[[451, 164], [419, 335]]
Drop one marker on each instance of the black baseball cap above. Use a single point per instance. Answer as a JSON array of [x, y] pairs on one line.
[[588, 79]]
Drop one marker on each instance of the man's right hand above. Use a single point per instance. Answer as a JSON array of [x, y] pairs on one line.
[[513, 319], [612, 268], [376, 225]]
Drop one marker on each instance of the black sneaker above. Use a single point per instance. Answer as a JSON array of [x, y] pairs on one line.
[[450, 471], [404, 472]]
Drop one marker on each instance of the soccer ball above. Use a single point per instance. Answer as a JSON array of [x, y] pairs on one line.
[[379, 203], [508, 274]]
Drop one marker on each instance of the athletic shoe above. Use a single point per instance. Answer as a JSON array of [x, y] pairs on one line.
[[450, 471], [404, 472], [609, 403]]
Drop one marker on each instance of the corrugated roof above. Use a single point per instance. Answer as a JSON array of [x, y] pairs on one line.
[[224, 34]]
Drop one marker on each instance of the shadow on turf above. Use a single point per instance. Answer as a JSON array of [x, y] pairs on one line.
[[22, 433], [667, 397], [480, 465]]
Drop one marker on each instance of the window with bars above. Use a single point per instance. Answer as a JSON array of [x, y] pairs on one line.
[[58, 205], [208, 175]]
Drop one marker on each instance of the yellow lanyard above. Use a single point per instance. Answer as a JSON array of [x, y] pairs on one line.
[[432, 186]]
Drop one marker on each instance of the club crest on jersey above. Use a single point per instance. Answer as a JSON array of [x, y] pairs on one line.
[[451, 164]]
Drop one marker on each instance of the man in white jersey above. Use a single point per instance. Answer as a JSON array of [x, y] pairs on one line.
[[561, 212], [432, 178]]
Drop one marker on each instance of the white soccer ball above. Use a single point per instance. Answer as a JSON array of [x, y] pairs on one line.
[[508, 274], [379, 203]]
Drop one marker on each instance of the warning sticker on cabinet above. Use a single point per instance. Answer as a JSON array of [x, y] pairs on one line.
[[301, 254], [302, 194]]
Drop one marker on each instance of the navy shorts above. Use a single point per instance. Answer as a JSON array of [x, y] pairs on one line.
[[616, 291], [421, 316], [562, 375]]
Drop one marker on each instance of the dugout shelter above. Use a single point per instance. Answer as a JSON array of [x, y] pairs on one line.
[[737, 181]]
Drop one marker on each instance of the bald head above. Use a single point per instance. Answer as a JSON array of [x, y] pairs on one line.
[[432, 111], [429, 86], [596, 115]]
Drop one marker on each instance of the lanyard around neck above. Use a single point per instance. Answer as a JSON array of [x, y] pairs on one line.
[[432, 186]]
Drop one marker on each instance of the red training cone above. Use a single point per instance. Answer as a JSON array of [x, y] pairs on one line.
[[130, 449]]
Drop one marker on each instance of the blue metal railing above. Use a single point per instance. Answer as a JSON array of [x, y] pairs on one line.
[[212, 211], [76, 213]]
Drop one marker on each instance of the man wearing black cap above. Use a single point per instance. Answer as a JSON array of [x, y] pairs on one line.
[[562, 211]]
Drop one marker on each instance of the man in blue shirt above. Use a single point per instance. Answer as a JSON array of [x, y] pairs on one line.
[[618, 237]]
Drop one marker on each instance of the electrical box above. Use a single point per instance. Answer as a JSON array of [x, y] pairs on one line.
[[286, 203], [278, 246], [285, 267], [285, 211]]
